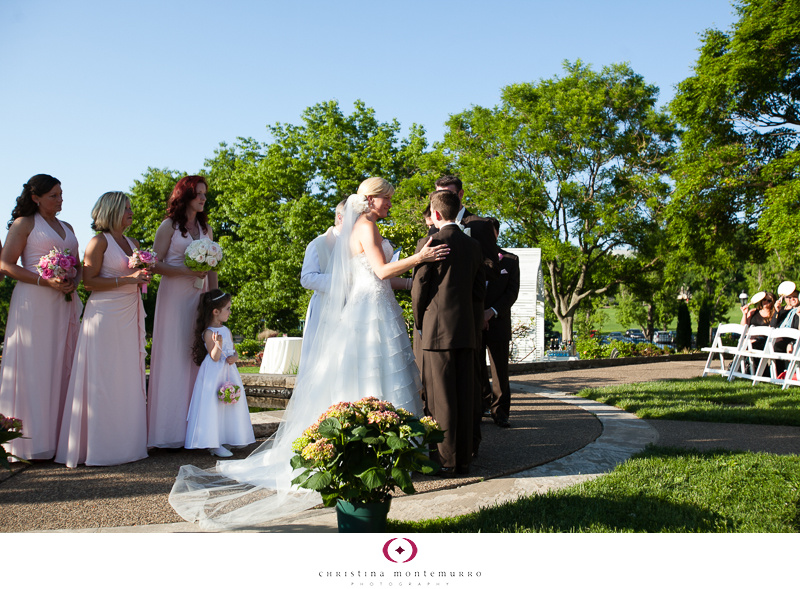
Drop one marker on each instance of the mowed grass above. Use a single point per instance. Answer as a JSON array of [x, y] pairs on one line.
[[667, 489], [658, 490], [711, 399]]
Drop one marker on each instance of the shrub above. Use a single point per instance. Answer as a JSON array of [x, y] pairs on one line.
[[249, 348], [590, 348]]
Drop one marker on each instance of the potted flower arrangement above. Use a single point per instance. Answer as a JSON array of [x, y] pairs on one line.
[[356, 454]]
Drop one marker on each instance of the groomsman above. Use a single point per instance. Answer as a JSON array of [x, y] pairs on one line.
[[501, 294], [315, 276], [475, 226], [447, 300]]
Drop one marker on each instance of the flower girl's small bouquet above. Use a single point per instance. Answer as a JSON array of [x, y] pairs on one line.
[[203, 255], [229, 393], [58, 264], [142, 258], [10, 429]]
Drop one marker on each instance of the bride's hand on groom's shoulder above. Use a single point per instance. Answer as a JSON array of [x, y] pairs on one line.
[[431, 254]]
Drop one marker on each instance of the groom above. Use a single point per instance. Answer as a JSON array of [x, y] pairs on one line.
[[447, 300]]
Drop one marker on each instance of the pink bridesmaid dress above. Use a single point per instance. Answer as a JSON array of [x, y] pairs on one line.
[[105, 416], [172, 370], [41, 333]]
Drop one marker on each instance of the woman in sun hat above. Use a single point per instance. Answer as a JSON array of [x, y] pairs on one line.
[[760, 316], [788, 317]]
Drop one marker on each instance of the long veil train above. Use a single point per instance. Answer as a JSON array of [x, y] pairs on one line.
[[361, 349]]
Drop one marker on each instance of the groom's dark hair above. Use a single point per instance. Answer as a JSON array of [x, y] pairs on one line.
[[450, 181], [446, 203]]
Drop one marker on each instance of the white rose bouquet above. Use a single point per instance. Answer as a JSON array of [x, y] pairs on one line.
[[203, 255]]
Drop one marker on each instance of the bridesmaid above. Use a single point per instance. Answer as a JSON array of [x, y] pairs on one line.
[[105, 419], [172, 370], [42, 326]]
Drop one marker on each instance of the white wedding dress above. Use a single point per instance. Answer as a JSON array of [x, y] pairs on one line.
[[361, 349]]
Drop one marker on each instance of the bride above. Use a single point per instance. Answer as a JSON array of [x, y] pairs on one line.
[[361, 349]]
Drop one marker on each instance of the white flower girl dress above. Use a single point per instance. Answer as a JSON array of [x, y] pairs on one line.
[[210, 422]]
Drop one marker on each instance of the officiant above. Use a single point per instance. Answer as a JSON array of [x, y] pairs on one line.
[[315, 275]]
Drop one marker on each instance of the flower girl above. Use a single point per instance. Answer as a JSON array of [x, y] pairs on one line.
[[218, 412]]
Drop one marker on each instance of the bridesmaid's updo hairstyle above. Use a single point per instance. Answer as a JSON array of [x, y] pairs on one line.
[[38, 185], [109, 211], [184, 192], [209, 301]]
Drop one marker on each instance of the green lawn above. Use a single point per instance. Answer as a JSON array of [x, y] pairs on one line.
[[612, 324], [667, 489], [704, 399], [659, 490]]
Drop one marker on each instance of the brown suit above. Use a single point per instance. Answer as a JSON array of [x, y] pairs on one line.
[[445, 296], [482, 231], [501, 294]]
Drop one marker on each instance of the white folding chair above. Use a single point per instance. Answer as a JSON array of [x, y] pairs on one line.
[[769, 355], [745, 362], [717, 349], [792, 377]]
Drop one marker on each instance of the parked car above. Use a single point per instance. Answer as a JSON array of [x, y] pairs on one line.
[[664, 336], [636, 335], [617, 335]]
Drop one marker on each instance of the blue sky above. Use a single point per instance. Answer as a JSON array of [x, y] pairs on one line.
[[94, 92]]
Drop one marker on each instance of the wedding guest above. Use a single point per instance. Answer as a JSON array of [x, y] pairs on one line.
[[447, 300], [172, 370], [501, 294], [315, 274], [788, 317], [42, 326], [761, 316], [105, 414]]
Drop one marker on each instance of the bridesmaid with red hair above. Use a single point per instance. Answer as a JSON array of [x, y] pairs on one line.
[[172, 369]]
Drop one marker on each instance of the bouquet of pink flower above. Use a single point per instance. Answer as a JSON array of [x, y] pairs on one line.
[[229, 393], [58, 264], [10, 429], [203, 255], [142, 258]]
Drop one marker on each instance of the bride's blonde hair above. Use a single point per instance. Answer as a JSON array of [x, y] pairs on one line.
[[369, 187], [375, 187]]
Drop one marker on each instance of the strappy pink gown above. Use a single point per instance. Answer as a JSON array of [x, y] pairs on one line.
[[105, 415], [41, 333], [172, 370]]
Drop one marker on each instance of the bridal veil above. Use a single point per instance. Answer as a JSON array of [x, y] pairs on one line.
[[360, 349]]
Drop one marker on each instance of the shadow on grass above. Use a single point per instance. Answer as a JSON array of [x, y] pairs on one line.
[[658, 490], [548, 513]]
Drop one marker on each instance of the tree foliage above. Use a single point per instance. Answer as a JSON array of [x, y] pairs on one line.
[[574, 165], [737, 189], [274, 198]]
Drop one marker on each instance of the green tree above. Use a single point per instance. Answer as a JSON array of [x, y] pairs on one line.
[[574, 165], [683, 332], [274, 198], [737, 189]]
